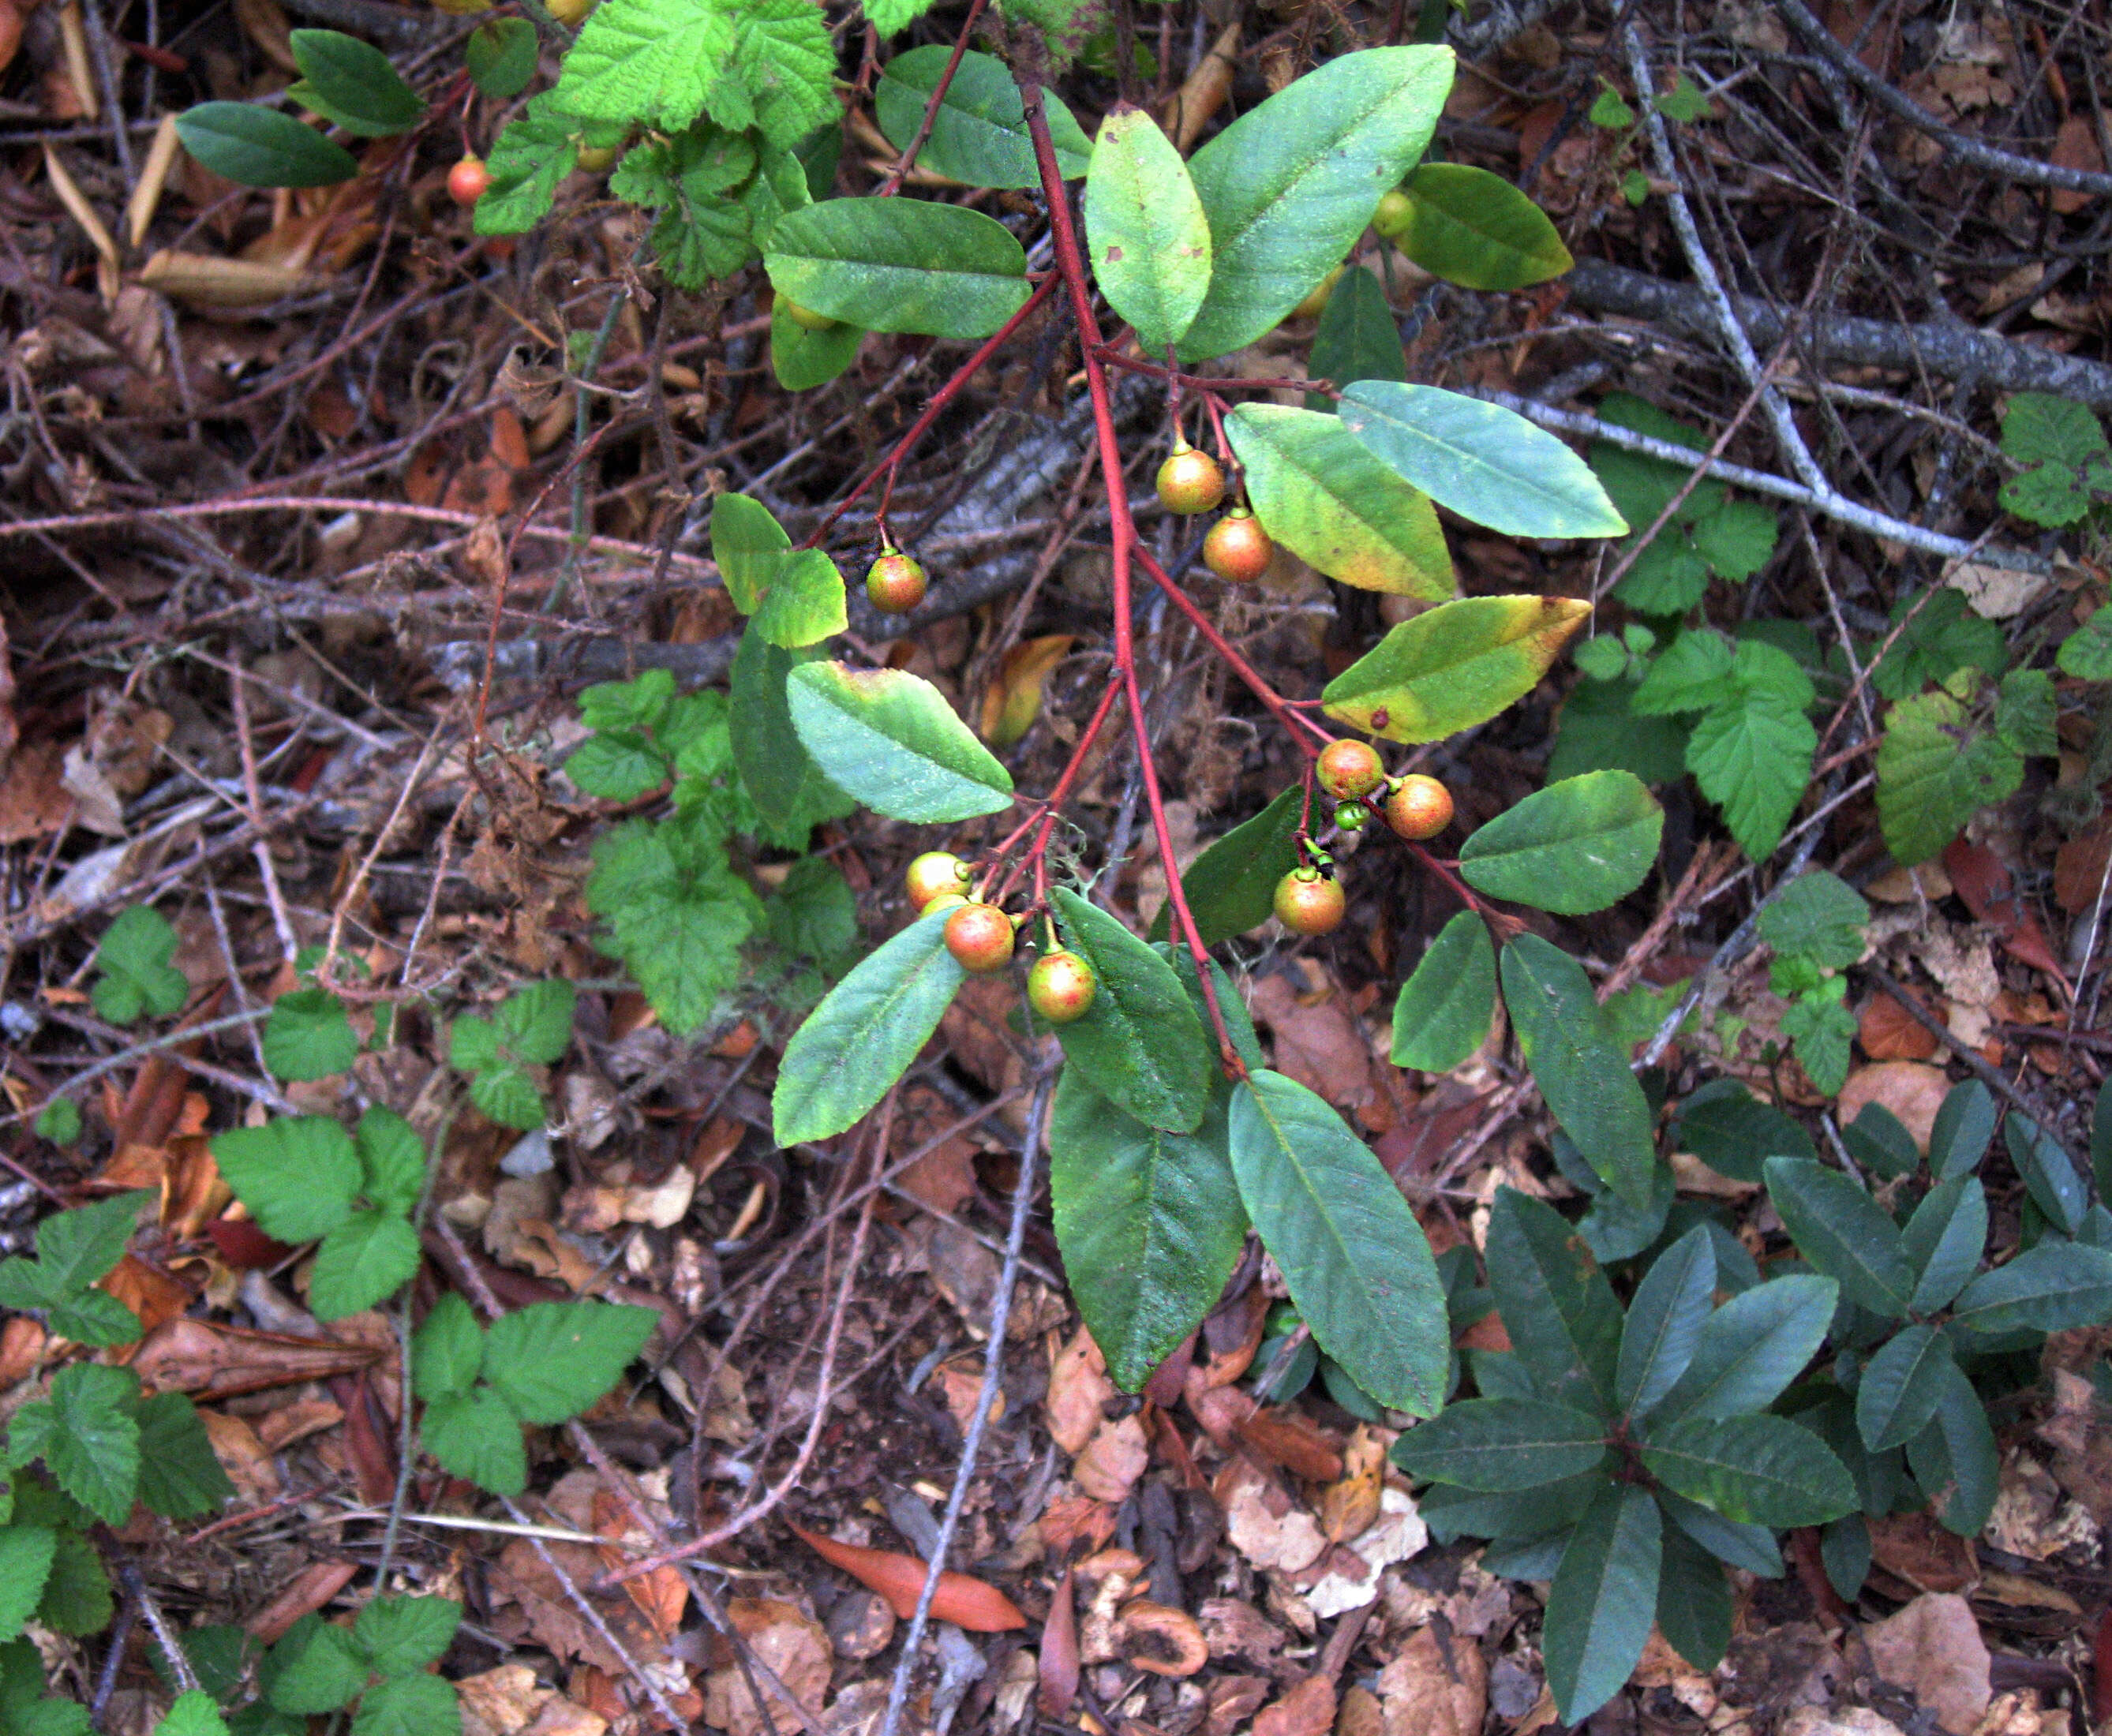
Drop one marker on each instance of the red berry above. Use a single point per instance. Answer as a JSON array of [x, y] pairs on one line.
[[467, 179], [1418, 807], [1061, 987], [980, 938], [1237, 549], [1307, 902], [894, 584], [933, 874], [1190, 482], [1348, 769]]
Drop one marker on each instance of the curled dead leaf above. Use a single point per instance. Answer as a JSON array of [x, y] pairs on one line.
[[966, 1601], [1012, 702], [1162, 1640]]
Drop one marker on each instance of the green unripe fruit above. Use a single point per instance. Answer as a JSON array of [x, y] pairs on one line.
[[1316, 304], [1351, 815], [933, 875], [1061, 987], [1395, 209], [806, 318], [1190, 482]]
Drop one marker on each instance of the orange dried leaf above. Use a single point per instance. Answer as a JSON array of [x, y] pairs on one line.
[[965, 1602]]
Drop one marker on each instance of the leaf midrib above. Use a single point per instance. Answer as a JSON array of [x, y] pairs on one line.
[[1524, 479]]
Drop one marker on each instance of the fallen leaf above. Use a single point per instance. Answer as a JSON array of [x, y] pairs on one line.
[[1078, 1387], [2080, 868], [2074, 147], [210, 1362], [507, 1701], [1058, 1668], [1933, 1648], [1264, 1524], [1234, 1699], [1287, 1437], [1888, 1031], [1913, 1090], [966, 1603], [1915, 1548], [310, 1589], [1113, 1461], [1351, 1504], [1012, 701], [1432, 1689], [1352, 1577], [1317, 1041], [1161, 1641], [1984, 882], [791, 1643], [1308, 1710]]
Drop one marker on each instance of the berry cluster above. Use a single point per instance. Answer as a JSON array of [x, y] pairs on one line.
[[1060, 986]]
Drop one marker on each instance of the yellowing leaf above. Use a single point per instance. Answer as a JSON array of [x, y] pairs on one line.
[[1452, 667], [1012, 702]]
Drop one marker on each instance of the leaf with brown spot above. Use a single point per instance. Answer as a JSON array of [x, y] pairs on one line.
[[966, 1601]]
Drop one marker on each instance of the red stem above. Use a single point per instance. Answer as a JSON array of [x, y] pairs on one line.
[[894, 176]]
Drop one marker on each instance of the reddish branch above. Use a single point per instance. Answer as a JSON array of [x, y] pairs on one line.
[[903, 163]]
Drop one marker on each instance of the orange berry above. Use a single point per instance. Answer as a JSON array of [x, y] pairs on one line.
[[894, 584], [467, 179], [1237, 549], [980, 938], [1348, 768], [1061, 987], [1190, 482], [933, 874], [1307, 902], [1418, 807]]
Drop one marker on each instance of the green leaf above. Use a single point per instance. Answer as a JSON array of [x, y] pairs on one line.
[[1500, 1444], [781, 78], [179, 1475], [1844, 1550], [1603, 1601], [474, 1435], [1231, 886], [805, 602], [25, 1564], [447, 1351], [2052, 1287], [1487, 463], [401, 1634], [1574, 847], [2070, 462], [1943, 1241], [1356, 338], [362, 1261], [2056, 1187], [1753, 1347], [888, 739], [136, 977], [979, 134], [1955, 1459], [1518, 1514], [1752, 757], [535, 1023], [315, 1668], [550, 1361], [1876, 1140], [1900, 1387], [2087, 652], [537, 150], [1732, 1132], [1150, 1223], [261, 147], [749, 546], [1937, 635], [1475, 229], [59, 1121], [1759, 1470], [86, 1436], [76, 1247], [1290, 185], [1140, 1045], [864, 1035], [1555, 1302], [1443, 1014], [1751, 1547], [192, 1714], [780, 776], [1694, 1602], [1355, 1259], [1452, 667], [393, 1156], [804, 359], [1822, 1027], [898, 265], [1599, 730], [500, 57], [1330, 503], [297, 1175], [1934, 773], [410, 1706], [1146, 236], [646, 61], [1579, 1069], [351, 82], [1818, 916], [1664, 1322], [1842, 1231], [308, 1036], [1684, 103], [678, 913], [891, 17]]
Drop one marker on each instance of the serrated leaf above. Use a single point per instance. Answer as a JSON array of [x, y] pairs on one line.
[[401, 1634], [1150, 1223], [1818, 916], [1230, 888], [1350, 1250], [1842, 1231], [92, 1317], [1664, 1322], [508, 1096], [1443, 1014], [1760, 1470], [1475, 229], [1602, 1601], [2070, 464], [25, 1564], [677, 912], [297, 1175], [86, 1436], [1290, 185], [979, 134], [308, 1036], [261, 147], [474, 1435], [865, 1033], [409, 1705], [550, 1361], [1141, 1045], [1452, 667], [192, 1714], [889, 738], [1495, 1445], [1147, 238], [1954, 1458], [899, 266], [1580, 1070], [316, 1668], [2048, 1288], [392, 1157], [500, 57], [1574, 847], [2087, 653], [179, 1475], [77, 1599], [1753, 1347], [646, 61], [134, 956], [538, 149], [1332, 503], [362, 1261], [351, 83], [1485, 463], [1555, 1302], [447, 1351], [1901, 1386], [1943, 1241], [1356, 338], [781, 76], [76, 1247], [1694, 1602], [1752, 757], [1935, 772]]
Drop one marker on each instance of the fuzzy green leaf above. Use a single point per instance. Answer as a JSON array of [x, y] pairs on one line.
[[1664, 1322], [1555, 1302], [1603, 1600], [474, 1435], [1759, 1470], [889, 738], [1753, 1347], [1139, 1045], [179, 1475], [1499, 1444], [1443, 1014], [1574, 847]]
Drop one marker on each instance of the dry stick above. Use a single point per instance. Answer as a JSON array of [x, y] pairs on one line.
[[1990, 1076], [267, 871], [1964, 146], [1000, 1316], [137, 1051]]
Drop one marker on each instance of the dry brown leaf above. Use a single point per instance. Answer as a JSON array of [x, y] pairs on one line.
[[1888, 1031], [507, 1702], [1265, 1524], [1317, 1041], [1431, 1688], [1057, 1671], [1233, 1699], [1913, 1090], [1933, 1648], [1914, 1548], [1078, 1387], [210, 1362], [944, 1180], [247, 1460], [22, 1343], [1351, 1577], [1112, 1461], [960, 1383], [2079, 867], [312, 1587], [1352, 1503], [793, 1645], [208, 280], [2074, 147], [1308, 1710], [966, 1601], [1161, 1641], [1013, 700], [1287, 1437]]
